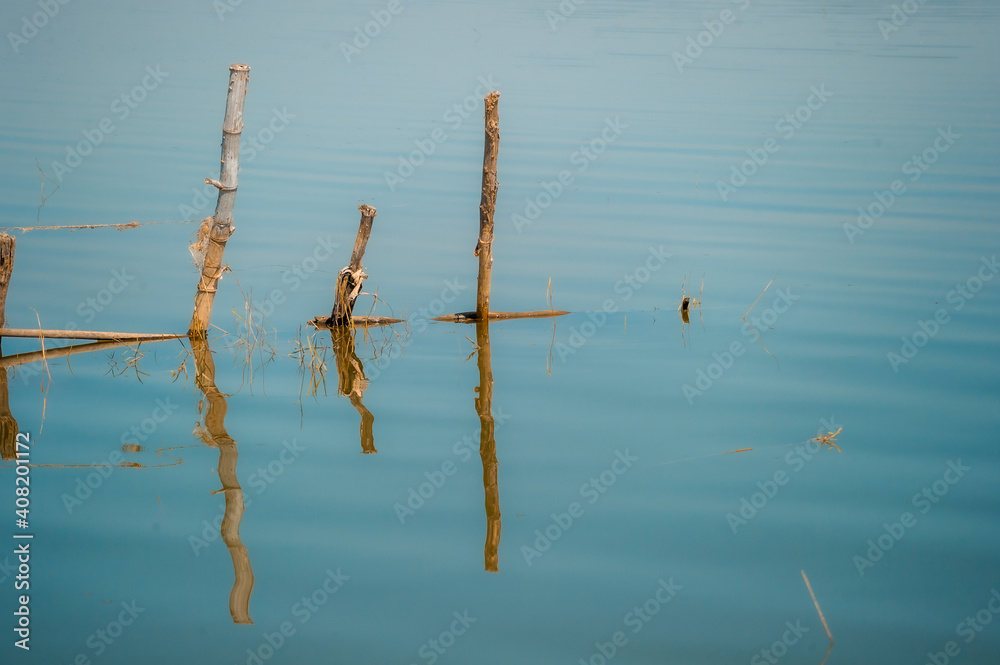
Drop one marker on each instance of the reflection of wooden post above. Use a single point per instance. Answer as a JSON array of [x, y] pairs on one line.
[[484, 247], [349, 280], [352, 382], [215, 434], [8, 426], [488, 447], [221, 226]]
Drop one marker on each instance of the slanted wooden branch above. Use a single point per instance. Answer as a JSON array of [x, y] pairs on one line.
[[222, 222]]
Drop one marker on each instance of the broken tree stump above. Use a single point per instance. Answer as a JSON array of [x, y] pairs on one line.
[[349, 280], [221, 226], [487, 204]]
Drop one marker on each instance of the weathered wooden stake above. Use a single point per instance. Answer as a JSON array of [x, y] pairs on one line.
[[7, 244], [8, 425], [487, 204], [221, 226], [350, 278]]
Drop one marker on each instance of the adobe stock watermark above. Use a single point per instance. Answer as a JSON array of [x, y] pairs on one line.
[[419, 321], [969, 628], [779, 648], [957, 298], [786, 126], [592, 490], [418, 496], [30, 26], [436, 647], [141, 431], [223, 7], [923, 501], [795, 460], [101, 640], [915, 167], [303, 610], [581, 158], [899, 17], [260, 481], [90, 307], [251, 145], [636, 619], [563, 11], [626, 287], [381, 18], [454, 116], [713, 30], [121, 108], [706, 378], [292, 279]]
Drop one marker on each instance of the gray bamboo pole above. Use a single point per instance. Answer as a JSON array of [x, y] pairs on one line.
[[221, 225], [350, 278], [487, 204]]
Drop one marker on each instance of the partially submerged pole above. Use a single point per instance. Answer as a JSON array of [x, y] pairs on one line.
[[487, 204], [221, 223], [8, 425], [349, 280], [7, 244]]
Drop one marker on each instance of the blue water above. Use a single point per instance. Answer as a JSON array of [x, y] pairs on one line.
[[634, 168]]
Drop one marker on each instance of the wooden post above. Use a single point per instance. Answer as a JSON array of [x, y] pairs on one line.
[[488, 447], [487, 204], [8, 425], [7, 244], [349, 279], [221, 225]]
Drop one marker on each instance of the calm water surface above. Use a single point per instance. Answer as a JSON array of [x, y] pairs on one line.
[[844, 158]]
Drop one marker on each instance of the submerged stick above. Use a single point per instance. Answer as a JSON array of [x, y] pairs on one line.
[[349, 280], [487, 204], [473, 317], [222, 222]]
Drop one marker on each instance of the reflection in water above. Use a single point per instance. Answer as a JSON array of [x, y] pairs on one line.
[[213, 433], [488, 447], [8, 425], [351, 381]]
